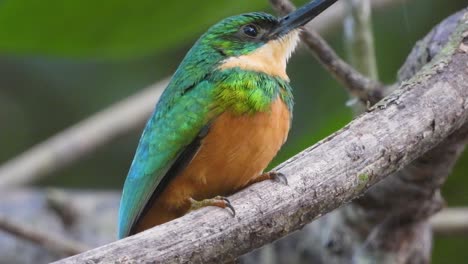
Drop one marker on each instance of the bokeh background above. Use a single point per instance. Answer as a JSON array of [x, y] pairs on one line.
[[62, 61]]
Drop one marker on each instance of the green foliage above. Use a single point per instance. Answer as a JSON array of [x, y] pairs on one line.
[[106, 29]]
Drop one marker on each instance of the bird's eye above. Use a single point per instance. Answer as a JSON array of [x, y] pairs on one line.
[[250, 30]]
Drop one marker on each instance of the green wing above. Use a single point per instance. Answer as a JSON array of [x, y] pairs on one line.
[[180, 116]]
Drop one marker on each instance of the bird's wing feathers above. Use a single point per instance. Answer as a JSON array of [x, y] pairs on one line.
[[180, 117]]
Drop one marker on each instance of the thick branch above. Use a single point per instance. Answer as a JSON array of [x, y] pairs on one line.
[[420, 115]]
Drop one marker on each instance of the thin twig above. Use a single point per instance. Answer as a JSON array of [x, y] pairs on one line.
[[367, 90], [48, 240], [81, 139], [59, 202]]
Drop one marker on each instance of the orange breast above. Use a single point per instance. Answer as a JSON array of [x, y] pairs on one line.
[[235, 151]]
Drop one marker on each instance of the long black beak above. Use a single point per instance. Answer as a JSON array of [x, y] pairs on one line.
[[301, 16]]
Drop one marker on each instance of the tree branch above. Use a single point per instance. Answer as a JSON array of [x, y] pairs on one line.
[[451, 222], [359, 45], [359, 39], [421, 114], [57, 244]]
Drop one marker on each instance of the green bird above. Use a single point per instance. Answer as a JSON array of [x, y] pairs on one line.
[[222, 118]]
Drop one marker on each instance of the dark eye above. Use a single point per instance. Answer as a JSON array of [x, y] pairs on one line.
[[250, 30]]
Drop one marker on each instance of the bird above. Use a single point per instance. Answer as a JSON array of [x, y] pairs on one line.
[[222, 118]]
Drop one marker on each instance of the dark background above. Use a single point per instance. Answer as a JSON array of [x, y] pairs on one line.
[[61, 61]]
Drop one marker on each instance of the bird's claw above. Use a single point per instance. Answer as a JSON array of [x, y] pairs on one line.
[[228, 205], [278, 177], [219, 201]]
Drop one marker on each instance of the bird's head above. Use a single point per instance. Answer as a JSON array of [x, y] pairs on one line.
[[256, 41]]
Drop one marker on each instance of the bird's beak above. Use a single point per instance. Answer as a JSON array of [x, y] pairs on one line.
[[300, 17]]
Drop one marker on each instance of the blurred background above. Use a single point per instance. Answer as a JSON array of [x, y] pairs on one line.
[[62, 61]]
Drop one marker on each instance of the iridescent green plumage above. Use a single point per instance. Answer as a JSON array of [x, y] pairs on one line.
[[197, 93], [203, 88]]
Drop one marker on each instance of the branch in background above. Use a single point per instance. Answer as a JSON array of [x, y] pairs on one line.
[[451, 222], [57, 244], [360, 86], [359, 40], [96, 210], [58, 202], [321, 178], [328, 19], [95, 132], [359, 44], [81, 139]]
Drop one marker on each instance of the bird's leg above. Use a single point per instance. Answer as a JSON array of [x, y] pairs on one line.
[[218, 201], [271, 175]]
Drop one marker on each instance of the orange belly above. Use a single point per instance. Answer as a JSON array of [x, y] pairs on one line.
[[235, 151]]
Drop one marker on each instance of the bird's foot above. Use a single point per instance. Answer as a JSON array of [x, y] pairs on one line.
[[218, 201]]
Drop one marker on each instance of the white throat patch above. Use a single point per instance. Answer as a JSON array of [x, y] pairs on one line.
[[271, 58]]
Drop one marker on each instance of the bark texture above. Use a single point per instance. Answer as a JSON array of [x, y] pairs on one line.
[[414, 119]]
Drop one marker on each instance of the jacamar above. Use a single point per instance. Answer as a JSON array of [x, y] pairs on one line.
[[222, 118]]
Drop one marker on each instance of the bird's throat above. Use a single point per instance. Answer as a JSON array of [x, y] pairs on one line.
[[270, 58]]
